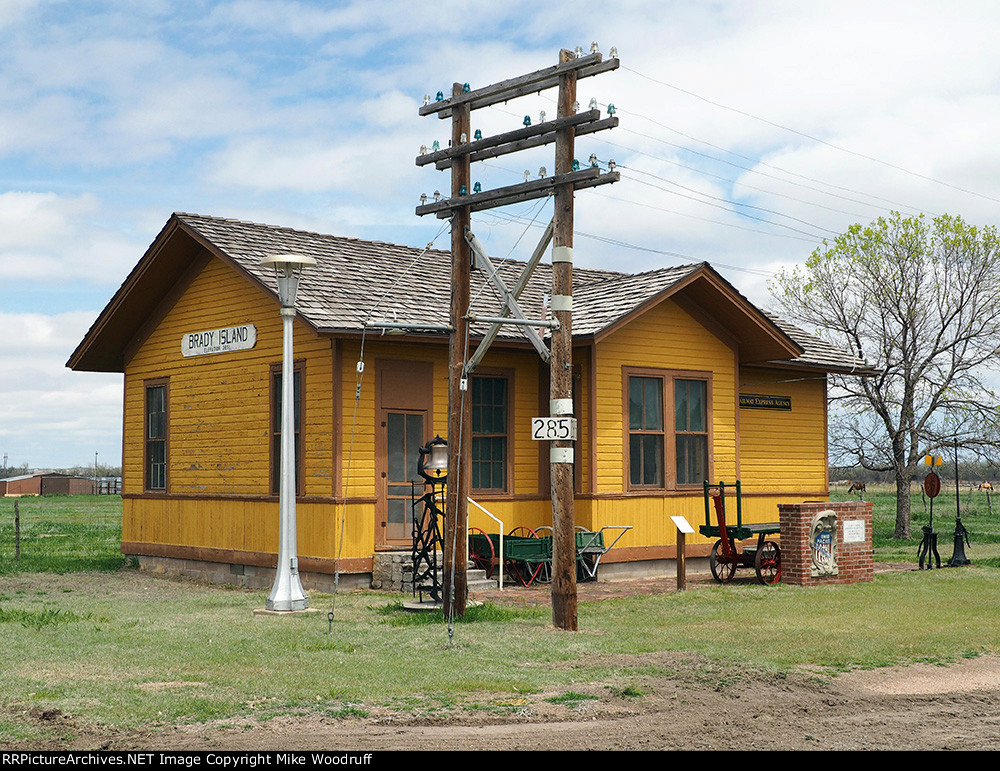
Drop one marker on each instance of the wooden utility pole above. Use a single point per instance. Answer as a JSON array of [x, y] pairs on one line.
[[563, 131], [459, 397], [561, 367]]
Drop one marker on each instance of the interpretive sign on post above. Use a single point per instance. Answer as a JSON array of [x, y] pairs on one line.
[[683, 528]]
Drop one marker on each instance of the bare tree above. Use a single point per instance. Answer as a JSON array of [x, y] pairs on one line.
[[920, 302]]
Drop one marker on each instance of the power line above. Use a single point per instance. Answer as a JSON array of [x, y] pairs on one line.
[[812, 138], [731, 203], [704, 219], [636, 247], [893, 205], [748, 169], [704, 173], [810, 236]]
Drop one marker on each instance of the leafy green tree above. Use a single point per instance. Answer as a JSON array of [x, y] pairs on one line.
[[919, 301]]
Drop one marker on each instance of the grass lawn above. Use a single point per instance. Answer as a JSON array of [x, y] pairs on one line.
[[62, 534], [983, 527], [89, 637]]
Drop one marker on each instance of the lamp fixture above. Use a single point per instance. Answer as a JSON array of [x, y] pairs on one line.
[[286, 593]]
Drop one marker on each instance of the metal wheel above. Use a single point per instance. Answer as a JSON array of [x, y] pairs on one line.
[[768, 563], [722, 570], [545, 574], [481, 550], [523, 572], [586, 567]]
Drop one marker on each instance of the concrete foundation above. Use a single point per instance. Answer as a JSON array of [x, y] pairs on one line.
[[247, 575], [391, 572], [663, 568]]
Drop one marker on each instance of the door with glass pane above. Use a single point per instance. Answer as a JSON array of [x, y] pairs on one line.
[[404, 438], [405, 393]]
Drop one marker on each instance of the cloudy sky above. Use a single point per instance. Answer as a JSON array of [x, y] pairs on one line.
[[750, 131]]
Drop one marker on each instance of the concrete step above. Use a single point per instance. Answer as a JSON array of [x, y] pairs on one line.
[[478, 582]]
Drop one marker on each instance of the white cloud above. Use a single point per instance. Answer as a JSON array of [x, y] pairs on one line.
[[50, 416], [57, 239], [305, 113]]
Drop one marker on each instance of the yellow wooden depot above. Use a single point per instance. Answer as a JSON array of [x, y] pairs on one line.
[[199, 449]]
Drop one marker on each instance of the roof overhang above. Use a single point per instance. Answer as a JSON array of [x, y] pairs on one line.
[[174, 258], [717, 305]]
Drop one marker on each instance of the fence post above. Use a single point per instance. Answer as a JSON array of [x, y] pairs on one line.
[[17, 533]]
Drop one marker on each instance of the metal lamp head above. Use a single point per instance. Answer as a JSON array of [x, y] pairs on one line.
[[288, 269]]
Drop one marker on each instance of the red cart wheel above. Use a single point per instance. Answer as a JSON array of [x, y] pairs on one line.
[[768, 563], [722, 569], [523, 572], [481, 550]]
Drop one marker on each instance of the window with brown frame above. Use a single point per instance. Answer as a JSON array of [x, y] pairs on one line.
[[155, 438], [691, 430], [276, 429], [646, 435], [662, 452], [489, 433]]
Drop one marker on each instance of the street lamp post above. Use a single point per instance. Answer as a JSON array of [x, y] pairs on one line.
[[287, 594]]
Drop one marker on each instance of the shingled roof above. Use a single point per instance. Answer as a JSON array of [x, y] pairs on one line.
[[356, 282]]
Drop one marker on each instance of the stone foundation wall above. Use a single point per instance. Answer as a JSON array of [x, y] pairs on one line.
[[392, 571]]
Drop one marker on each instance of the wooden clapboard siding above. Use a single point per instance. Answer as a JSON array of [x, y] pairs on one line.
[[219, 441], [648, 515], [521, 512], [583, 400], [521, 370], [784, 450], [219, 405], [665, 338], [357, 436]]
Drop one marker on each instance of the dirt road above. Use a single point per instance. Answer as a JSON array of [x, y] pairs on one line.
[[922, 707]]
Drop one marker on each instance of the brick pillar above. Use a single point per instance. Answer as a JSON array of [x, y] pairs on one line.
[[852, 550]]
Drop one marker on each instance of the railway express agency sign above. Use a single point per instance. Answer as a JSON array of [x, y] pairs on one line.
[[239, 338]]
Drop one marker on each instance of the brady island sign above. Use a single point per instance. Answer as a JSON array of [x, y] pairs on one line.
[[239, 338]]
